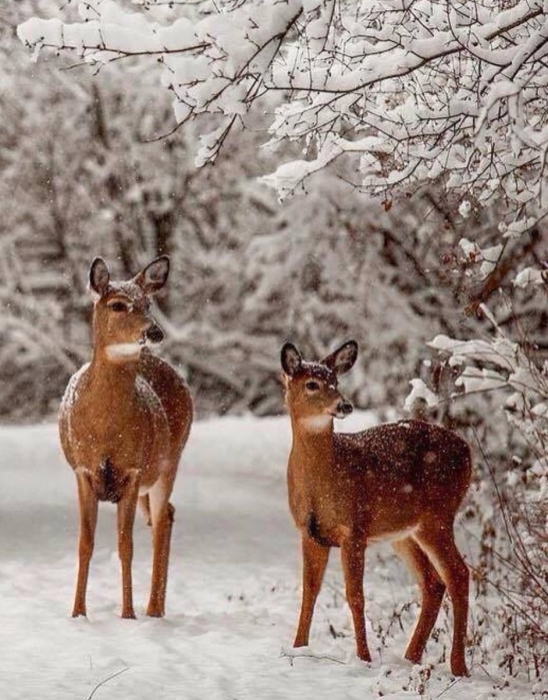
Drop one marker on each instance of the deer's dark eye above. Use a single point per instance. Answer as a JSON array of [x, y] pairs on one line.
[[118, 306], [311, 385]]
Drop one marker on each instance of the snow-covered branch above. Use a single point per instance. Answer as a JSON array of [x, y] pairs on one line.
[[416, 90]]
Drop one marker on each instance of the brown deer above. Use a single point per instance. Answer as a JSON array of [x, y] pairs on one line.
[[124, 420], [400, 481]]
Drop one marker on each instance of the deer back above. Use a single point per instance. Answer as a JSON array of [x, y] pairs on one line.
[[400, 473]]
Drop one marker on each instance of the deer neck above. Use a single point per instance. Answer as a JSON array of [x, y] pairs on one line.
[[312, 448], [310, 469], [112, 378]]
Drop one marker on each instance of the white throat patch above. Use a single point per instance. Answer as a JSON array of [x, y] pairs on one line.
[[316, 423], [121, 351]]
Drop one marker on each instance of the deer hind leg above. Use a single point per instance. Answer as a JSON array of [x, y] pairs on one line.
[[126, 518], [432, 591], [353, 560], [88, 522], [439, 544], [315, 558], [162, 515]]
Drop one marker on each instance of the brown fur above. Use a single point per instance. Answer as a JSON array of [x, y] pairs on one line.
[[124, 421], [403, 481]]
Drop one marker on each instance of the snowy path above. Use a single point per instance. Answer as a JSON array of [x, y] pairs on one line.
[[233, 594]]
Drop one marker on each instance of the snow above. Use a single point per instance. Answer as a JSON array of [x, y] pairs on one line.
[[233, 594], [528, 276], [419, 391]]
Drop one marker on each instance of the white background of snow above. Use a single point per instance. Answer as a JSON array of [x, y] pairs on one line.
[[233, 594]]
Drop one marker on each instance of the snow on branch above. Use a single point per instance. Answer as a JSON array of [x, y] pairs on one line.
[[417, 91], [500, 363]]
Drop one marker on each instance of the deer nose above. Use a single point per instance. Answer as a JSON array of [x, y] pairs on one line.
[[345, 408], [155, 334]]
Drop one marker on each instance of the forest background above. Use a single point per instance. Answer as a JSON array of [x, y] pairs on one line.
[[404, 208]]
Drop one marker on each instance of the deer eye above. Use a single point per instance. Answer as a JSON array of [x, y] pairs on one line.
[[311, 385], [118, 306]]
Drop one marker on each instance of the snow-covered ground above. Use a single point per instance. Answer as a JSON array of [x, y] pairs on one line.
[[233, 593]]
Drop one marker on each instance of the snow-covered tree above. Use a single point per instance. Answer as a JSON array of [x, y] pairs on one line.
[[410, 91]]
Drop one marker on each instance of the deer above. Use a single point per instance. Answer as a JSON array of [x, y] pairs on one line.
[[124, 420], [401, 481]]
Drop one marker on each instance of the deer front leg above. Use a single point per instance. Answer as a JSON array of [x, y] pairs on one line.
[[88, 522], [315, 558], [353, 561], [162, 515], [126, 517], [145, 508]]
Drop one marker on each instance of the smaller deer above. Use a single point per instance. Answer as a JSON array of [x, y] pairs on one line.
[[399, 481], [124, 420]]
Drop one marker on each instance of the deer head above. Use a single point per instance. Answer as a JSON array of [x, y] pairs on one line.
[[311, 388], [122, 320]]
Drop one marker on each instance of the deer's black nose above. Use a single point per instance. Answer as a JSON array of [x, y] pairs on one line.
[[155, 334], [345, 407]]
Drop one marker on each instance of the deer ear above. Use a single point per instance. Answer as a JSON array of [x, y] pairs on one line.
[[99, 276], [153, 277], [342, 359], [291, 359]]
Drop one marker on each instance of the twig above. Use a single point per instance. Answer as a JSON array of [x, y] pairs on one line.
[[320, 657], [451, 685], [106, 680]]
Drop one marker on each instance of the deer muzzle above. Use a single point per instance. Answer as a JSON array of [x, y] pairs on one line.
[[344, 408]]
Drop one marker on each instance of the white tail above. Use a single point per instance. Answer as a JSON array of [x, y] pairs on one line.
[[403, 481], [124, 420]]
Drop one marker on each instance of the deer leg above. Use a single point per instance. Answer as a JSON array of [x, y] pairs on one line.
[[439, 544], [126, 517], [353, 561], [88, 521], [432, 590], [145, 508], [315, 558], [162, 515]]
